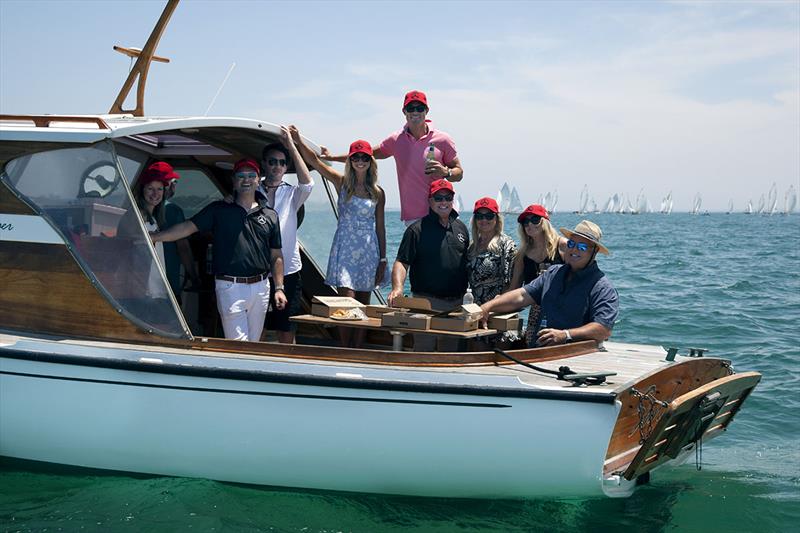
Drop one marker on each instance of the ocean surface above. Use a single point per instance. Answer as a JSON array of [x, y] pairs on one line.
[[729, 283]]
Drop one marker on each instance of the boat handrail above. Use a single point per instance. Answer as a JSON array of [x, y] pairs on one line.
[[43, 121]]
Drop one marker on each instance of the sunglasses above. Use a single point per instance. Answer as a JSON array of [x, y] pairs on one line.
[[416, 108], [276, 162], [483, 216], [443, 198], [245, 175], [531, 220], [360, 157], [581, 246]]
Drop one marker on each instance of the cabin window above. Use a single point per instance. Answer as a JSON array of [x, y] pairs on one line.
[[83, 194], [194, 191]]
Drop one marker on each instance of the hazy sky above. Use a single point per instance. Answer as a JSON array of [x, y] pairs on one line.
[[689, 97]]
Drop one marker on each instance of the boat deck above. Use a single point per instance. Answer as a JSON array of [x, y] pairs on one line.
[[630, 362]]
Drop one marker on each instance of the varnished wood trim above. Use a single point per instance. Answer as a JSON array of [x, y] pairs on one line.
[[44, 121], [10, 204]]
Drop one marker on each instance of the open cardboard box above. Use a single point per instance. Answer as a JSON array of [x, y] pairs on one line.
[[376, 311], [505, 322], [327, 305], [463, 318]]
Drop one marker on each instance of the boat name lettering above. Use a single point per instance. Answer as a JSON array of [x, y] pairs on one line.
[[6, 226]]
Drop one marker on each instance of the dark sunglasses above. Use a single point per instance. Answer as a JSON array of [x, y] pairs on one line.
[[276, 162], [483, 216], [416, 108], [535, 219], [443, 198], [245, 175], [359, 157], [581, 246]]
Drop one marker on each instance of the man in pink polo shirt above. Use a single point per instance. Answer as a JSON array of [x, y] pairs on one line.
[[409, 146]]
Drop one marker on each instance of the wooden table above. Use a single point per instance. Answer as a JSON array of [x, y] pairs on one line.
[[396, 332]]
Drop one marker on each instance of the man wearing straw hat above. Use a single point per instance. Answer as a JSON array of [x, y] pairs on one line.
[[577, 299]]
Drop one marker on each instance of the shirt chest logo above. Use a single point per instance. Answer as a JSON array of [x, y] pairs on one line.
[[462, 238], [261, 219]]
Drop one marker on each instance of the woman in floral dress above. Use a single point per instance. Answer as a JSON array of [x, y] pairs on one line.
[[357, 263]]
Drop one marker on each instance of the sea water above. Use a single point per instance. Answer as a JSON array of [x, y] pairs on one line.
[[729, 283]]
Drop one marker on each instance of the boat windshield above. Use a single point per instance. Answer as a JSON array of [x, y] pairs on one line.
[[83, 194]]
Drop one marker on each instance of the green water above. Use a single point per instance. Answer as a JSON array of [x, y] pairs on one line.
[[730, 283]]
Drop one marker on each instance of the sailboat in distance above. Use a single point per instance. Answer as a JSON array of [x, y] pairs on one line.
[[583, 199], [730, 207], [749, 209], [696, 203], [772, 199], [789, 201], [503, 197], [514, 204]]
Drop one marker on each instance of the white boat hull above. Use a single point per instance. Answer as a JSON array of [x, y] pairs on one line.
[[299, 435]]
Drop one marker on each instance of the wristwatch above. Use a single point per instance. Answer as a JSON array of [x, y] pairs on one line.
[[382, 260], [569, 337], [279, 288], [449, 172]]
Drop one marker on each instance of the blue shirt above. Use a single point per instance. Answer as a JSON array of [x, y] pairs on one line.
[[587, 297]]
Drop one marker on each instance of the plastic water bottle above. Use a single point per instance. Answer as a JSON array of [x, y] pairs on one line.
[[430, 155], [468, 297], [543, 322]]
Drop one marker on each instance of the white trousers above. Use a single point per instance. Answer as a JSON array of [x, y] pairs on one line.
[[242, 308]]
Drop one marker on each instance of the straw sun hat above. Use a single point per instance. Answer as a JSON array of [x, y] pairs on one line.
[[589, 231]]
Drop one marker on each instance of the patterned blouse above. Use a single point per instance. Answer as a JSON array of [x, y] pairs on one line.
[[489, 273]]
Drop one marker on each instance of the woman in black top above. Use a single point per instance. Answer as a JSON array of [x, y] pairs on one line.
[[540, 248]]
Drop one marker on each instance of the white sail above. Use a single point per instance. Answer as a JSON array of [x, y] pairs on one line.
[[504, 198], [583, 200], [772, 199], [514, 204], [730, 206], [554, 202], [620, 203], [642, 205], [594, 208], [696, 203], [609, 207], [749, 209], [457, 204], [789, 201], [761, 203]]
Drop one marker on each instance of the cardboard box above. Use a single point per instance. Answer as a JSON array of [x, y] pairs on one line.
[[327, 305], [376, 311], [454, 323], [506, 322], [416, 304], [402, 319]]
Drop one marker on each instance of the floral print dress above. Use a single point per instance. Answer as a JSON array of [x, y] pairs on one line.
[[354, 253]]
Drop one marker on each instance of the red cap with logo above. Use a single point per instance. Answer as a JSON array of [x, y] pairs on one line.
[[531, 210], [246, 162], [486, 203], [158, 171], [439, 185], [360, 147], [415, 96]]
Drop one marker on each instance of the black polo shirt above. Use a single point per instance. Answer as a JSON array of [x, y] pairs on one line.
[[437, 256], [242, 239]]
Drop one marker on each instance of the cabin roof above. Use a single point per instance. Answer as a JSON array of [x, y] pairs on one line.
[[94, 128]]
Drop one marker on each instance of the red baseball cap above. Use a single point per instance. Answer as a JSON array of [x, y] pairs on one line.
[[158, 171], [415, 96], [486, 203], [533, 209], [246, 162], [360, 147], [440, 184]]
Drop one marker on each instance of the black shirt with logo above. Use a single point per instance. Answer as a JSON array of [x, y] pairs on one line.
[[437, 256], [242, 239]]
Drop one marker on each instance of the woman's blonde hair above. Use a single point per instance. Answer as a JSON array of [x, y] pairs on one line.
[[494, 245], [526, 242], [371, 182]]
